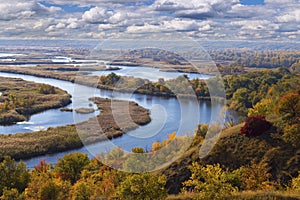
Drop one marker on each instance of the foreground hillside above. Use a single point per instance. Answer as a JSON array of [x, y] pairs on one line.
[[238, 167]]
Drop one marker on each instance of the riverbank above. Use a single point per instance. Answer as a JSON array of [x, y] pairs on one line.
[[20, 99], [60, 139], [123, 84]]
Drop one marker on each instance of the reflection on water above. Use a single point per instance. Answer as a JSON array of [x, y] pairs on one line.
[[167, 114], [152, 74]]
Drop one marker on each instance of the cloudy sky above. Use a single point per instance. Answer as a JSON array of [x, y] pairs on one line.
[[204, 19]]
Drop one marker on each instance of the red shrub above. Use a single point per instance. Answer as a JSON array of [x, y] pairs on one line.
[[255, 126]]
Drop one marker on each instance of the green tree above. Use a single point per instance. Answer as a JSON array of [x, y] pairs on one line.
[[240, 100], [11, 194], [210, 182], [292, 134], [202, 130], [143, 186], [264, 108], [70, 166], [13, 175]]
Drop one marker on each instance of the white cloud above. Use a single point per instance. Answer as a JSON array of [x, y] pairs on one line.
[[11, 10], [180, 25], [147, 28], [206, 27], [195, 9], [293, 16], [97, 15], [110, 18], [118, 17]]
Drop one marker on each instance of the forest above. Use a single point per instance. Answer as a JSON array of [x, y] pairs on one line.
[[256, 59]]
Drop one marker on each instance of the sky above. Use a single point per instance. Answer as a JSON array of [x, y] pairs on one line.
[[277, 20]]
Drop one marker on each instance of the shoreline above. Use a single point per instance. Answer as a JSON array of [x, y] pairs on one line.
[[73, 77], [22, 146], [21, 99]]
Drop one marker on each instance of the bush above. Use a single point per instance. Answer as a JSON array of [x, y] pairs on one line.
[[255, 126], [208, 182], [143, 186]]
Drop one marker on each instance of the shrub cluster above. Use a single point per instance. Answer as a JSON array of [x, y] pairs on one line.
[[255, 126]]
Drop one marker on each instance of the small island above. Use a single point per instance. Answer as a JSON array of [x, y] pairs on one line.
[[20, 99], [59, 139]]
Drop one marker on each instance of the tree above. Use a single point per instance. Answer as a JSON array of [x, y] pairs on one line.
[[143, 186], [45, 186], [264, 107], [202, 130], [255, 126], [289, 107], [82, 190], [296, 67], [295, 183], [138, 150], [210, 182], [112, 79], [241, 101], [11, 194], [106, 181], [256, 177], [13, 175], [292, 134], [70, 166]]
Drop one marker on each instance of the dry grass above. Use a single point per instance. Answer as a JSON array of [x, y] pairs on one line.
[[27, 92], [59, 139], [246, 195], [115, 118]]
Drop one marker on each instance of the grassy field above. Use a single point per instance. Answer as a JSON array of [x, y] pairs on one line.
[[59, 139], [19, 99], [247, 195]]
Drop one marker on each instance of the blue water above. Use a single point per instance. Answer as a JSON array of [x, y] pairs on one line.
[[167, 114]]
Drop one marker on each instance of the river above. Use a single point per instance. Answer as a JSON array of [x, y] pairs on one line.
[[167, 114]]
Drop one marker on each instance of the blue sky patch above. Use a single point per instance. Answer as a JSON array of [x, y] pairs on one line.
[[252, 2]]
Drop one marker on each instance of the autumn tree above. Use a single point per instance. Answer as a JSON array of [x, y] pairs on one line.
[[255, 126], [264, 107], [82, 190], [295, 183], [70, 166], [256, 177], [11, 194], [209, 182], [289, 107], [143, 186], [45, 185]]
